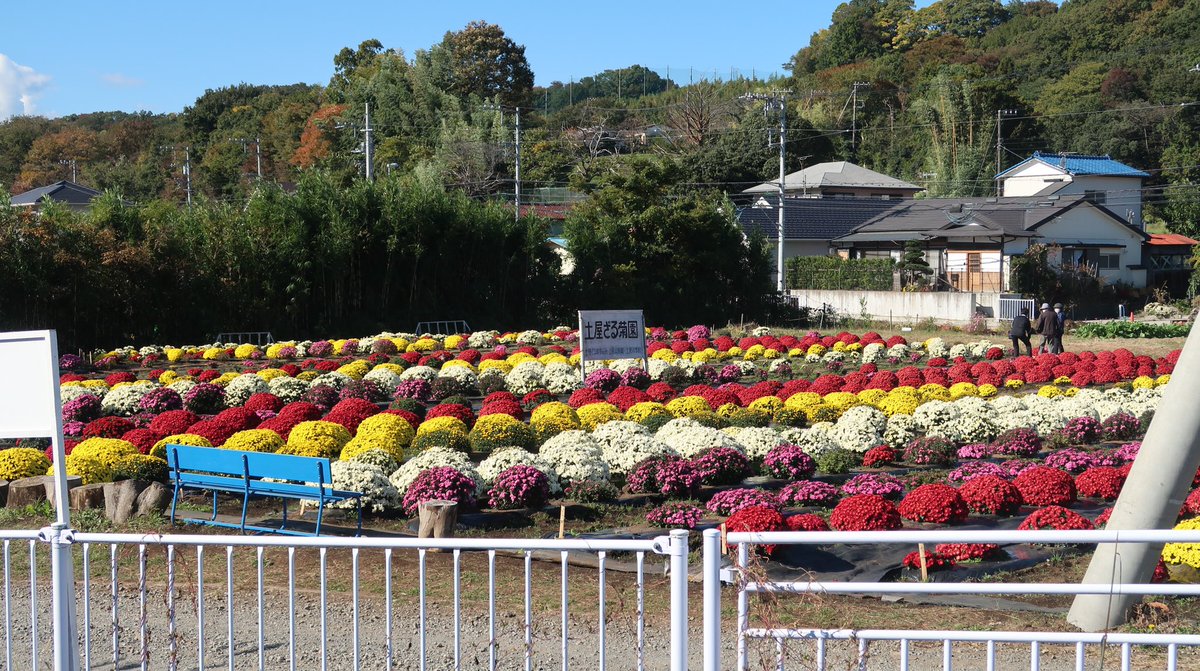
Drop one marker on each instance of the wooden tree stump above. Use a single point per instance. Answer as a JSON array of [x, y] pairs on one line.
[[437, 519], [28, 491]]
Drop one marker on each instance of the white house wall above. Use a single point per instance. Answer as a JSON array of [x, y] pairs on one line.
[[1087, 224], [1122, 194]]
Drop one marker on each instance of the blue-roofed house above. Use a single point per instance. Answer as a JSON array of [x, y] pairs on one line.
[[1102, 180], [74, 196]]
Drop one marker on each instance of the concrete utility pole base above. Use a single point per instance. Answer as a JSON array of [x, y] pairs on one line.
[[1153, 493]]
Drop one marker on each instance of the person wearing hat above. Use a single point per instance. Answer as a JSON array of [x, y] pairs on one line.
[[1060, 328], [1046, 326], [1020, 332]]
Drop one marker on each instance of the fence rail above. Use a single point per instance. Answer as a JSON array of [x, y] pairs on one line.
[[450, 327], [252, 337], [1009, 308], [747, 584]]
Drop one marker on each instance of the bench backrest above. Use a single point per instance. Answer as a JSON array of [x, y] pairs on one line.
[[254, 465]]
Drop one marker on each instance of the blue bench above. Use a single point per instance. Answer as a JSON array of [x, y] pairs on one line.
[[238, 472]]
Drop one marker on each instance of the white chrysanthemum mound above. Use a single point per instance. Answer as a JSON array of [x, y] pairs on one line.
[[976, 421], [534, 338], [655, 368], [419, 373], [124, 401], [386, 380], [432, 458], [71, 392], [460, 374], [873, 352], [525, 377], [482, 339], [379, 494], [377, 458], [575, 457], [756, 441], [860, 428], [288, 389], [243, 387], [624, 444], [935, 417], [332, 379], [689, 437], [500, 461], [815, 440], [561, 378], [900, 430]]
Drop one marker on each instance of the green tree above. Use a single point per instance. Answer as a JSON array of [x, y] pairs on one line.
[[634, 242], [481, 60], [913, 266]]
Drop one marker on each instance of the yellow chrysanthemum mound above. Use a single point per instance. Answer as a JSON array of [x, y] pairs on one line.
[[389, 433], [107, 450], [160, 448], [595, 414], [90, 469], [316, 439], [254, 440], [443, 431], [499, 431], [22, 462]]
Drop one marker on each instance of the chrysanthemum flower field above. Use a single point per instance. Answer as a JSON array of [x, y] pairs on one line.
[[845, 431]]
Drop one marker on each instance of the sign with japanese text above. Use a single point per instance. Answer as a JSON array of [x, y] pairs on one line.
[[611, 334]]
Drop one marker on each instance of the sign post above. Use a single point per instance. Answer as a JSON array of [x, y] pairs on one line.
[[610, 334], [31, 407]]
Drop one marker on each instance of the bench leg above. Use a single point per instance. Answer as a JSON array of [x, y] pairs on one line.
[[245, 508], [359, 506], [214, 511], [284, 524], [174, 500], [320, 516]]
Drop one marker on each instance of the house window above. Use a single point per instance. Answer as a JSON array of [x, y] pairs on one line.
[[1108, 262], [1096, 197]]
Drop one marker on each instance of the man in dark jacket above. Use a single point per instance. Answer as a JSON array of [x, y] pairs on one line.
[[1060, 320], [1020, 332], [1047, 327]]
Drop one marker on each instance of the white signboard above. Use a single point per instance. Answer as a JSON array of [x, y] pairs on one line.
[[611, 334], [29, 385]]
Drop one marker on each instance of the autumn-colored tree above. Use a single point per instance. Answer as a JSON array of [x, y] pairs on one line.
[[314, 143], [44, 162]]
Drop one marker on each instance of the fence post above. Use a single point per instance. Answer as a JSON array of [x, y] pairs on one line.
[[711, 575], [679, 600], [62, 579]]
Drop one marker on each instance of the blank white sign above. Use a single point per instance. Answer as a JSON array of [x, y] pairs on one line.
[[28, 384]]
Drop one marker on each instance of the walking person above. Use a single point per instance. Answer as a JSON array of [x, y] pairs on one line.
[[1046, 326], [1020, 332], [1061, 321]]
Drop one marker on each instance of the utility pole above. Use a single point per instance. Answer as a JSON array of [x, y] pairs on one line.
[[517, 150], [777, 100], [187, 173], [367, 142], [854, 114], [70, 162], [257, 151], [1000, 114]]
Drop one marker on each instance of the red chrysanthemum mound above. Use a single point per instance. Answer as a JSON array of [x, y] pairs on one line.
[[1100, 482], [941, 504], [1102, 519], [351, 412], [263, 401], [991, 495], [933, 561], [143, 439], [173, 422], [966, 552], [880, 455], [864, 512], [1191, 505], [300, 411], [1055, 517], [108, 427], [757, 518], [1045, 486], [460, 412], [806, 522]]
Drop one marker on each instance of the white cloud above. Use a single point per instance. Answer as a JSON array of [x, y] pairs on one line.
[[121, 81], [20, 86]]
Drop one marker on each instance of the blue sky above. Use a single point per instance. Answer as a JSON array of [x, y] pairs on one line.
[[86, 57]]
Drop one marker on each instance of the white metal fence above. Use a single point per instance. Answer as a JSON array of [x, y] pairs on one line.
[[1010, 307], [246, 602], [741, 572]]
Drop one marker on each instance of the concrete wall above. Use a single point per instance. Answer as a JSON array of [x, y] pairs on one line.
[[901, 306]]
